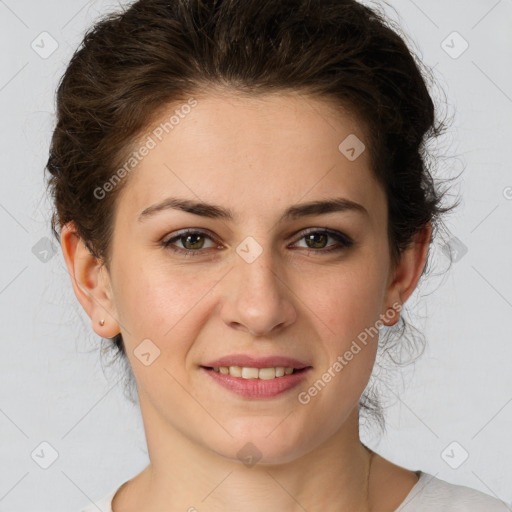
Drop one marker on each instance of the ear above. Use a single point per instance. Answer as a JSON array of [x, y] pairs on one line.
[[405, 276], [91, 282]]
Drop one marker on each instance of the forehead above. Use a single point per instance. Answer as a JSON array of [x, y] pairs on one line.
[[252, 151]]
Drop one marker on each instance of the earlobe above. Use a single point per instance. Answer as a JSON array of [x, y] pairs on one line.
[[90, 282], [407, 273]]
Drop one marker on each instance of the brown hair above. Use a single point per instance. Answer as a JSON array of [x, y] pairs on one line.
[[132, 64]]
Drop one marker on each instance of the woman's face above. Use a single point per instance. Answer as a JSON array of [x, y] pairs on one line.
[[262, 278]]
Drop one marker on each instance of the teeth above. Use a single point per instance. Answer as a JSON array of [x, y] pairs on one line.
[[254, 373], [250, 373], [235, 371], [266, 373]]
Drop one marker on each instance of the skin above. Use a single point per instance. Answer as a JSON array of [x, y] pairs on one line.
[[310, 306]]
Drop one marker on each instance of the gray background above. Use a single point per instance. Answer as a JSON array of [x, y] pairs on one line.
[[54, 387]]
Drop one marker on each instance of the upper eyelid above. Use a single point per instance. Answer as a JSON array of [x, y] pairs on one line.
[[193, 232], [298, 236]]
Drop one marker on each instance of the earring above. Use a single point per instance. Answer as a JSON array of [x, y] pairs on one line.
[[102, 322]]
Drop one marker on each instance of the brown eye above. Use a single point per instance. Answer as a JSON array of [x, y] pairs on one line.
[[317, 240], [191, 242]]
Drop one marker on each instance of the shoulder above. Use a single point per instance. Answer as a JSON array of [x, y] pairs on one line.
[[431, 493]]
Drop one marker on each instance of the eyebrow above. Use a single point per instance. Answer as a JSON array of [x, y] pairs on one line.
[[212, 211]]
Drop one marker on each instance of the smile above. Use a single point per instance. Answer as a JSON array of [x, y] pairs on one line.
[[257, 383], [255, 373]]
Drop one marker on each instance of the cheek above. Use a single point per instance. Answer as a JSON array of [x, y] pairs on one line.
[[348, 314], [349, 300], [162, 306]]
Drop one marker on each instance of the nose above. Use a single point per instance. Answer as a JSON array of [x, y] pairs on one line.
[[257, 297]]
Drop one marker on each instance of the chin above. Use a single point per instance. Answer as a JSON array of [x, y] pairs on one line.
[[263, 443]]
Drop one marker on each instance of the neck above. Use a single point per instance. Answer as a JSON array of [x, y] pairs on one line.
[[184, 475]]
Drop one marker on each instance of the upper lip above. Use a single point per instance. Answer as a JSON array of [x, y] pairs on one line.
[[257, 362]]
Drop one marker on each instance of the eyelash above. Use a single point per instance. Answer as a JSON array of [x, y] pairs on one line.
[[341, 238]]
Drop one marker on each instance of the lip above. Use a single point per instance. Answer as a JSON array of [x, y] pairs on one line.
[[257, 362], [258, 388]]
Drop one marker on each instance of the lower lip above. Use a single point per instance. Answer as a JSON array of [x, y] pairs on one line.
[[258, 388]]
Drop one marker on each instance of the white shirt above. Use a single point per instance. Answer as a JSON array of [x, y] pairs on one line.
[[429, 494]]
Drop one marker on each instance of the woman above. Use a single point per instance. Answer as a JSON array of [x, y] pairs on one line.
[[243, 203]]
